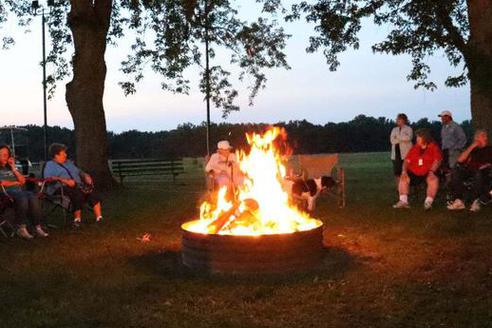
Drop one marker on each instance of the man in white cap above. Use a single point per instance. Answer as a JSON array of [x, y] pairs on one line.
[[223, 165], [453, 139]]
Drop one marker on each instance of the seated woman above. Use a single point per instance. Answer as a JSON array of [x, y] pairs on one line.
[[76, 184], [420, 165], [26, 203]]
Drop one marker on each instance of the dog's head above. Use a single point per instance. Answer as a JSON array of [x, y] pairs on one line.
[[327, 182]]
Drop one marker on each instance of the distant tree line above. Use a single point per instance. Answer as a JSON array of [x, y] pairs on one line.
[[362, 134]]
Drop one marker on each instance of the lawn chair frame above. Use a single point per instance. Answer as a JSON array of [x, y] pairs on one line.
[[5, 222], [57, 201], [318, 165]]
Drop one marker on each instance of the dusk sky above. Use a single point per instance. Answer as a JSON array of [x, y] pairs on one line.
[[366, 83]]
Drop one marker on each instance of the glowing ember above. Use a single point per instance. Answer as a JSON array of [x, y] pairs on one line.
[[260, 206]]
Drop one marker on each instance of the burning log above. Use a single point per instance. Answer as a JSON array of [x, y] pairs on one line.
[[222, 220], [259, 205], [249, 207], [255, 229]]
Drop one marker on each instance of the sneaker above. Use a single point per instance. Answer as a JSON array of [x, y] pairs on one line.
[[76, 224], [456, 205], [23, 233], [427, 206], [40, 232], [476, 206], [100, 220], [401, 204]]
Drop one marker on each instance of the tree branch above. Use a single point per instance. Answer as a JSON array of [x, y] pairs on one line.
[[457, 40]]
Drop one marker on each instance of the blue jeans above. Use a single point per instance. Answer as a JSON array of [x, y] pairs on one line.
[[27, 205]]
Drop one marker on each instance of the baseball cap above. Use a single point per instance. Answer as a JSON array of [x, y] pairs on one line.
[[445, 113], [224, 144]]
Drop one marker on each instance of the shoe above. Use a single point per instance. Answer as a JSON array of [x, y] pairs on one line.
[[76, 224], [100, 220], [23, 233], [40, 232], [401, 204], [476, 206], [456, 205], [427, 206]]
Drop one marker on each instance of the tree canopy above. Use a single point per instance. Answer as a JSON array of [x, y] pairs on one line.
[[419, 28], [361, 134], [169, 37]]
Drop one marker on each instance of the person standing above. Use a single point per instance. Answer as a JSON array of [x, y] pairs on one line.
[[453, 140], [401, 142]]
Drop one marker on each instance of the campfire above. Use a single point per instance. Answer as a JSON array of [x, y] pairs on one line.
[[253, 226], [260, 205]]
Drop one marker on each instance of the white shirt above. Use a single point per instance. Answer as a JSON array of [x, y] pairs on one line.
[[220, 164], [401, 136]]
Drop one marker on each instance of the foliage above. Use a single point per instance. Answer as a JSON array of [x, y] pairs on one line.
[[362, 134], [169, 36], [419, 28]]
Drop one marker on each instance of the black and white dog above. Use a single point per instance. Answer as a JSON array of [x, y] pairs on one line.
[[307, 191]]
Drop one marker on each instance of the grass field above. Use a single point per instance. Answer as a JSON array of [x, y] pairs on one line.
[[382, 268]]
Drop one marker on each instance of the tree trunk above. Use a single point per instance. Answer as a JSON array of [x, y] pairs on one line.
[[89, 22], [479, 62]]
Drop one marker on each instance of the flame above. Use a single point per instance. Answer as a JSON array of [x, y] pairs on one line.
[[260, 205]]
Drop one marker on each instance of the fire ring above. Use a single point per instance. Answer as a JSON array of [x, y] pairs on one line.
[[269, 253]]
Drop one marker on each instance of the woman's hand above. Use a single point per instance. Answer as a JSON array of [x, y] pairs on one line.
[[69, 182], [88, 179], [11, 162]]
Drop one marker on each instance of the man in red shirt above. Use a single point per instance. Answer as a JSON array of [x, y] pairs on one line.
[[421, 164]]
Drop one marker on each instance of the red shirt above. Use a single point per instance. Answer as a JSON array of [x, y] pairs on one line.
[[419, 161]]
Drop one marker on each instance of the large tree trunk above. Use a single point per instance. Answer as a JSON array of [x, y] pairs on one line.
[[479, 61], [89, 22]]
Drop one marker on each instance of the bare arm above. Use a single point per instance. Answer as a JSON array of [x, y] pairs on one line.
[[68, 182], [21, 180], [466, 154], [435, 166]]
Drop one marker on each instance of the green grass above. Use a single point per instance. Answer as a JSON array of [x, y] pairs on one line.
[[383, 268]]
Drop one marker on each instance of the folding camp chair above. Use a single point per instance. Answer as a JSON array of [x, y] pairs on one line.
[[315, 166], [57, 201], [4, 222], [54, 201]]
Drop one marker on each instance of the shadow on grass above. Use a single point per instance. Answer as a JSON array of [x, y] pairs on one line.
[[168, 264]]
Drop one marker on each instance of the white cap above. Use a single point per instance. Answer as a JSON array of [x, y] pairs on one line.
[[224, 145], [445, 113]]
